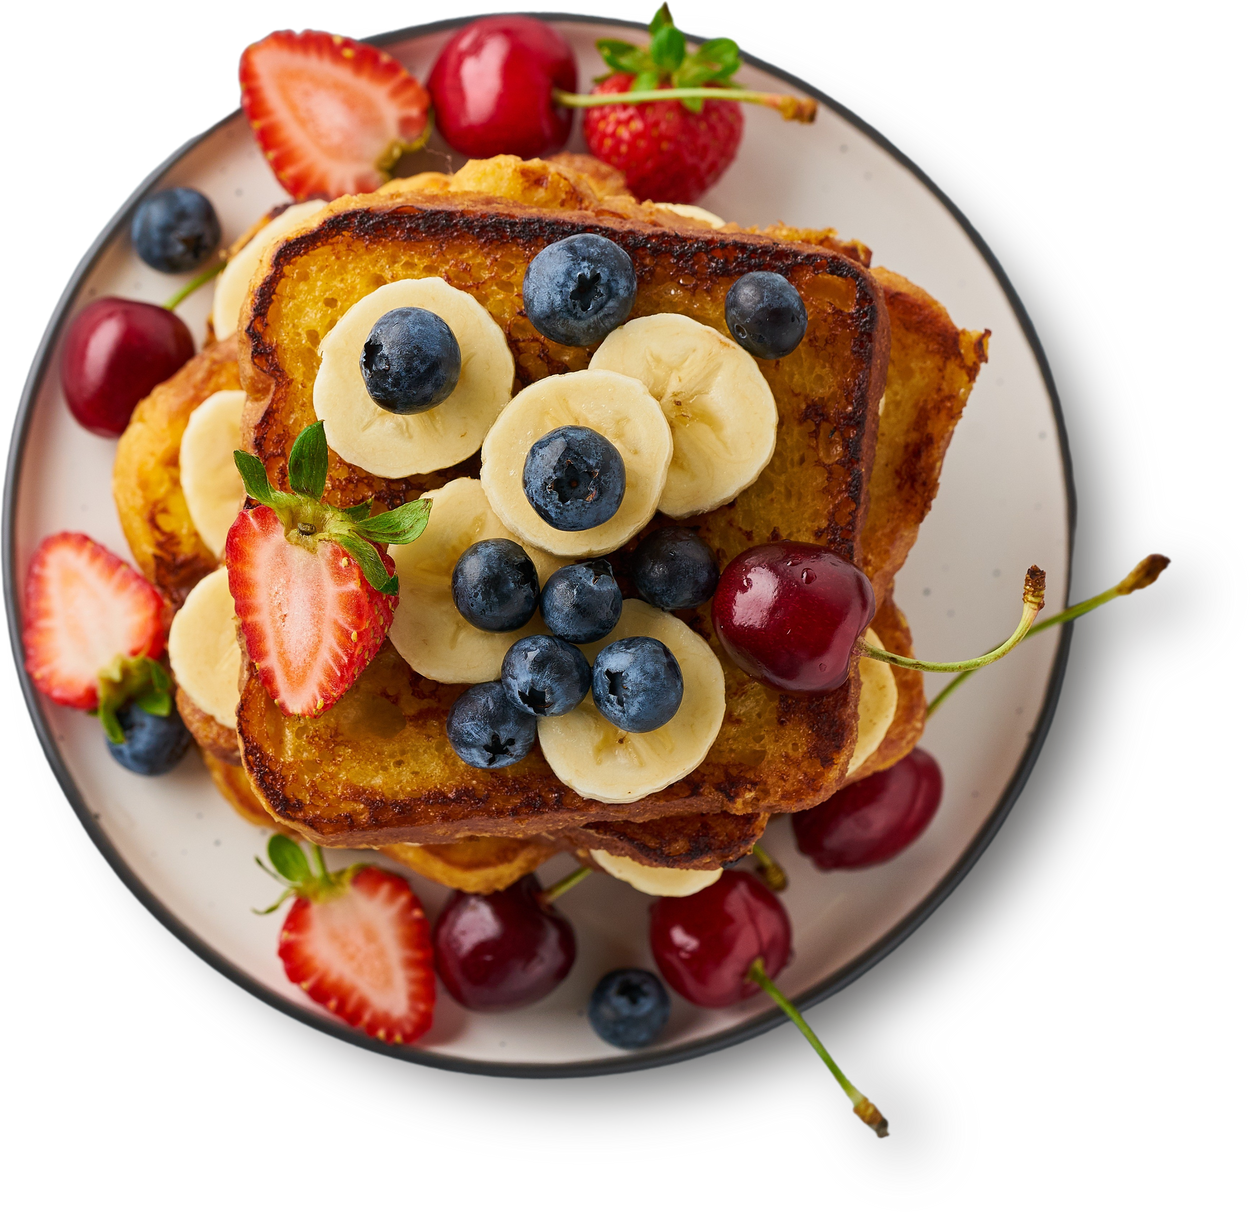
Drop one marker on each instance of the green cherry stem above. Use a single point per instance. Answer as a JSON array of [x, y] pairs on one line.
[[792, 109], [199, 280], [1035, 584], [1144, 574], [561, 886], [859, 1104], [772, 874]]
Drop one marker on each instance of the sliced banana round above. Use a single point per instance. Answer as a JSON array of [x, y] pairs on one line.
[[724, 417], [655, 881], [616, 406], [600, 761], [234, 280], [204, 650], [206, 467], [428, 631], [879, 696], [391, 444], [687, 211]]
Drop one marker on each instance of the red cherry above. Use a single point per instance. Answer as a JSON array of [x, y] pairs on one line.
[[789, 614], [872, 820], [503, 950], [492, 88], [115, 352], [704, 944]]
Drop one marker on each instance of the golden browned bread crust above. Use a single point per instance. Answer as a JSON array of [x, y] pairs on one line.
[[212, 737], [696, 842], [475, 864], [146, 486]]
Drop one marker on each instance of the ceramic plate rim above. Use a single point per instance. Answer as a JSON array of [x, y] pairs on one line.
[[627, 1062]]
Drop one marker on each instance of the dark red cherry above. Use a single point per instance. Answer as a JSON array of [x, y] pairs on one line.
[[115, 352], [492, 88], [789, 614], [704, 944], [503, 950], [872, 820]]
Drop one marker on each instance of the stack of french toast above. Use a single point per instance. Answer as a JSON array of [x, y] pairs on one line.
[[866, 408]]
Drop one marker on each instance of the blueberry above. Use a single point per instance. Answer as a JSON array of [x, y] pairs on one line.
[[487, 730], [574, 478], [410, 361], [628, 1008], [175, 230], [637, 684], [154, 744], [495, 585], [674, 569], [545, 676], [765, 315], [581, 603], [579, 289]]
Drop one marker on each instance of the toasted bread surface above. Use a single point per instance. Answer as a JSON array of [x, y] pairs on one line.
[[475, 864], [774, 751], [147, 489]]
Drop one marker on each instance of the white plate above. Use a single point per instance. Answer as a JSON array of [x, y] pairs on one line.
[[1006, 502]]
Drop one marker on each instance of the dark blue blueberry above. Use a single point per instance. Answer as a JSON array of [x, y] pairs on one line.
[[581, 603], [487, 730], [628, 1008], [579, 289], [674, 569], [495, 585], [545, 676], [637, 684], [410, 361], [175, 230], [154, 744], [574, 478], [765, 315]]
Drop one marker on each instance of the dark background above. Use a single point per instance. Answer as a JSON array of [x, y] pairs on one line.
[[1033, 1020]]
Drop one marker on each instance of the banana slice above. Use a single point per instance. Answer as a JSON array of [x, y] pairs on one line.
[[723, 414], [428, 631], [601, 762], [233, 283], [691, 212], [204, 651], [386, 443], [879, 696], [655, 881], [614, 405], [206, 467]]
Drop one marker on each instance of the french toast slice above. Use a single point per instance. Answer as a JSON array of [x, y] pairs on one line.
[[377, 768]]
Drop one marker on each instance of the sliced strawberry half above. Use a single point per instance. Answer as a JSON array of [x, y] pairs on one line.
[[86, 613], [331, 115], [309, 618], [313, 586], [357, 942]]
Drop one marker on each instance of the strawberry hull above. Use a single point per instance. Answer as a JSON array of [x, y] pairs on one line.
[[309, 619]]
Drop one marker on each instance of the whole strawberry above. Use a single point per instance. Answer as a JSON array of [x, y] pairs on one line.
[[667, 152], [313, 587]]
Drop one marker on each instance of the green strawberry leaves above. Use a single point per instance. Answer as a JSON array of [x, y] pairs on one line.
[[309, 520], [139, 680], [666, 60], [291, 868]]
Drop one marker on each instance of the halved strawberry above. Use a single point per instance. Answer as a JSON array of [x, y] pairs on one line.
[[313, 586], [309, 618], [86, 614], [331, 115], [357, 942]]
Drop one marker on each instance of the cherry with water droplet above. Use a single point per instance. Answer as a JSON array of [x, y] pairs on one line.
[[115, 352], [506, 949], [871, 821], [790, 614]]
